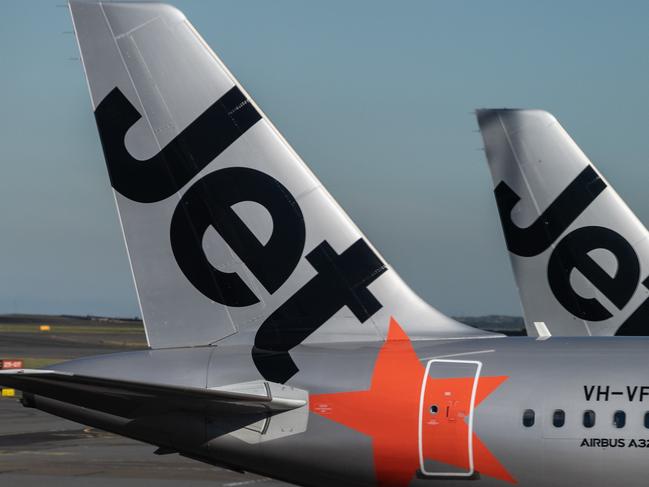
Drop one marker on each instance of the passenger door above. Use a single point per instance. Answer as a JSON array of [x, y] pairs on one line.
[[446, 409]]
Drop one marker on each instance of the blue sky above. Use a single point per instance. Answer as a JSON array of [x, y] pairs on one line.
[[375, 96]]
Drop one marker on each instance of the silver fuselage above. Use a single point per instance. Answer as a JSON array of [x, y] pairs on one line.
[[573, 375]]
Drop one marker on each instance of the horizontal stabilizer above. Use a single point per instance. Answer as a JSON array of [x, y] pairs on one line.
[[131, 399]]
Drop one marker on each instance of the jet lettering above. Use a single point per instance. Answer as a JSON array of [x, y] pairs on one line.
[[572, 252], [341, 279], [208, 203], [181, 159], [535, 239]]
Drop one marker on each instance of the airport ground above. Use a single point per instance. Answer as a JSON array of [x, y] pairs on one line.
[[37, 448]]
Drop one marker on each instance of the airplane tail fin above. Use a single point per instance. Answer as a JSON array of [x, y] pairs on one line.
[[228, 232], [579, 255]]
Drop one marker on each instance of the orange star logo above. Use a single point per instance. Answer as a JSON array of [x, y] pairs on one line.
[[389, 413]]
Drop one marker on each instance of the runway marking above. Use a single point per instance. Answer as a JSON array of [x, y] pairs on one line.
[[29, 452], [246, 482]]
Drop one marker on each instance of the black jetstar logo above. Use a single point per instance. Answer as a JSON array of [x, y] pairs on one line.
[[572, 252], [341, 279]]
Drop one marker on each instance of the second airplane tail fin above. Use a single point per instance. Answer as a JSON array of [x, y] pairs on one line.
[[579, 255]]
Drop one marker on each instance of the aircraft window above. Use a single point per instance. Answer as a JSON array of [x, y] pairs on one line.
[[434, 409], [589, 419], [619, 419], [528, 418], [559, 418], [646, 419]]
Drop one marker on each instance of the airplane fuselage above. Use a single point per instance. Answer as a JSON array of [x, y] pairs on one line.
[[569, 411]]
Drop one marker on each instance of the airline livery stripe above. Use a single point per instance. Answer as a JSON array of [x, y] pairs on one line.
[[181, 159]]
